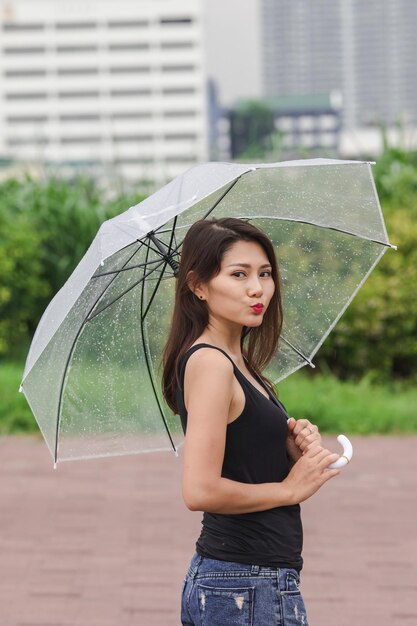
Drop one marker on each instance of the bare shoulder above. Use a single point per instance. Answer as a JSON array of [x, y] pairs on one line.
[[209, 360], [207, 369]]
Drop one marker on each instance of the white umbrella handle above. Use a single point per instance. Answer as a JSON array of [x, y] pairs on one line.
[[347, 453]]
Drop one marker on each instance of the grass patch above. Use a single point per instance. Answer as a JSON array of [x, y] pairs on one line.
[[349, 407], [15, 414], [335, 406]]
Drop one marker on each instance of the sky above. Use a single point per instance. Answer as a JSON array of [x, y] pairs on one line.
[[233, 48]]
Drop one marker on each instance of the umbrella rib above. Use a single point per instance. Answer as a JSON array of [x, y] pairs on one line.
[[173, 250], [91, 317], [160, 277], [303, 356], [339, 230], [58, 422], [143, 317], [230, 187], [148, 364], [125, 269]]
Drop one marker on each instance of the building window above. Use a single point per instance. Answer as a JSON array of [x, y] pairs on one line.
[[64, 49], [11, 26], [129, 46], [75, 25], [22, 119], [178, 68], [181, 158], [180, 136], [23, 73], [79, 117], [134, 115], [130, 92], [178, 90], [328, 122], [27, 50], [27, 141], [285, 123], [127, 24], [131, 138], [78, 94], [81, 139], [172, 21], [328, 139], [177, 45], [130, 69], [133, 160], [77, 71], [306, 122], [179, 113], [27, 96]]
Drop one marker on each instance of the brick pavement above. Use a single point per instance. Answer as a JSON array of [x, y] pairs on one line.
[[107, 542]]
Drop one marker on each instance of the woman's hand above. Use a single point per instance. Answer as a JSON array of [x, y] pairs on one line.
[[310, 472], [301, 433]]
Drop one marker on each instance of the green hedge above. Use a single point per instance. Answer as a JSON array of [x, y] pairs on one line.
[[377, 335], [335, 406], [46, 228]]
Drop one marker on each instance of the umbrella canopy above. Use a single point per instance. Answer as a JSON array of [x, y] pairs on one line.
[[93, 371]]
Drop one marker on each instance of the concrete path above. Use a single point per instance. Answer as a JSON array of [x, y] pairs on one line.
[[107, 542]]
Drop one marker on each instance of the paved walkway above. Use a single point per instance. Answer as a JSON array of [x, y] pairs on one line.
[[107, 542]]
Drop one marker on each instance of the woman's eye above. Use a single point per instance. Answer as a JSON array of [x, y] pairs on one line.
[[266, 272]]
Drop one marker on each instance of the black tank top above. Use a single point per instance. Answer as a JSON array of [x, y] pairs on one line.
[[255, 452]]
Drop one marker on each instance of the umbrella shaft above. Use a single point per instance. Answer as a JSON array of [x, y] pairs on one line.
[[168, 258]]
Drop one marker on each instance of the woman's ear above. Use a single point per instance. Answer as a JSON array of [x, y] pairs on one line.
[[192, 285], [190, 278]]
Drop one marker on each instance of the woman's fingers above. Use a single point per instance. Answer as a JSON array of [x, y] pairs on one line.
[[302, 424], [322, 456], [310, 439], [327, 460], [305, 435], [312, 450], [327, 474]]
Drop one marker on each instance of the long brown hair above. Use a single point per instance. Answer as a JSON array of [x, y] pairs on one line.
[[202, 252]]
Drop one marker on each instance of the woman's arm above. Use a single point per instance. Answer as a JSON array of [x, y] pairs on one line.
[[208, 384], [230, 496]]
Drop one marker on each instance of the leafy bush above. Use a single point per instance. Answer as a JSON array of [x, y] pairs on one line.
[[335, 406], [377, 335], [46, 229], [22, 283]]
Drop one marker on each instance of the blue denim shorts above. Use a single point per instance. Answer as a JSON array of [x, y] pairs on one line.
[[223, 593]]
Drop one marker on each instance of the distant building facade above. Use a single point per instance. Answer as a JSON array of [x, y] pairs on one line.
[[366, 50], [295, 123], [107, 83]]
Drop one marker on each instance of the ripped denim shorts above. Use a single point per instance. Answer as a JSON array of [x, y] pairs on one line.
[[223, 593]]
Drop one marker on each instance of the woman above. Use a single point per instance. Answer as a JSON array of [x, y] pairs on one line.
[[244, 466]]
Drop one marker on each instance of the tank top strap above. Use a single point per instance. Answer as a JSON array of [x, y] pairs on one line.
[[190, 351], [247, 385], [239, 375]]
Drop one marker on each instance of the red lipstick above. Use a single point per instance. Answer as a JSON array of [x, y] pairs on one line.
[[257, 308]]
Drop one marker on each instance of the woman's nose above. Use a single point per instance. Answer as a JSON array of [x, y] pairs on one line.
[[256, 287]]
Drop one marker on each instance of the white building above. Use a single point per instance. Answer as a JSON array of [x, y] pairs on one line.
[[100, 82]]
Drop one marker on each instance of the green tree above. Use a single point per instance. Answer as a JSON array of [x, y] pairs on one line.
[[46, 228], [377, 335], [251, 130]]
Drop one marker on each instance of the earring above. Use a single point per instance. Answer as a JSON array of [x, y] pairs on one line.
[[201, 298]]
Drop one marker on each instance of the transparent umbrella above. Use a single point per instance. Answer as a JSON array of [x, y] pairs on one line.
[[93, 372]]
